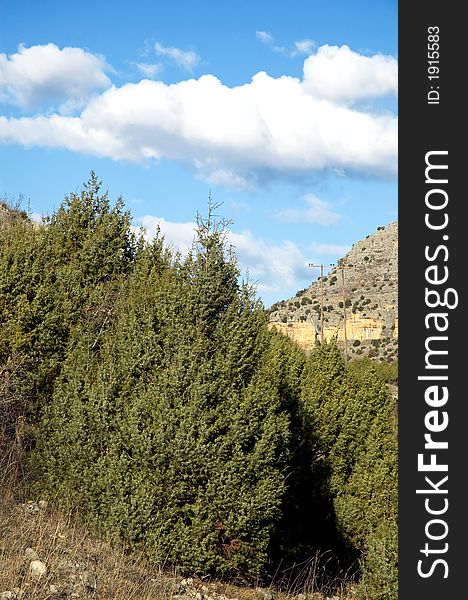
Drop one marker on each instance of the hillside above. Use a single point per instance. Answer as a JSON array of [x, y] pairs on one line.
[[368, 300]]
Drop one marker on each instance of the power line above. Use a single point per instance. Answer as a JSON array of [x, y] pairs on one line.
[[342, 268], [322, 267]]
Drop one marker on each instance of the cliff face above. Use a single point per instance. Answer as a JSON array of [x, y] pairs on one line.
[[364, 294]]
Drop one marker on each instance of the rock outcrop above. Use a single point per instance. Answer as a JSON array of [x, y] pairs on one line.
[[361, 291]]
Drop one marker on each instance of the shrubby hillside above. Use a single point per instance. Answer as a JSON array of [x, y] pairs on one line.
[[146, 390]]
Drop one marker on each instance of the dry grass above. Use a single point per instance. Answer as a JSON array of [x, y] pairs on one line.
[[73, 555], [318, 578]]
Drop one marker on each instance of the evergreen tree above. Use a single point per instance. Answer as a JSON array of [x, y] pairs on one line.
[[352, 416], [173, 416], [174, 433], [20, 274], [53, 277]]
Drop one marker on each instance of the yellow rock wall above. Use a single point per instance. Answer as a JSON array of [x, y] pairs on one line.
[[302, 333], [357, 328]]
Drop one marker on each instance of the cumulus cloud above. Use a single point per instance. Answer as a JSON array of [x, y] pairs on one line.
[[232, 136], [273, 266], [36, 217], [338, 74], [317, 211], [47, 75], [187, 59]]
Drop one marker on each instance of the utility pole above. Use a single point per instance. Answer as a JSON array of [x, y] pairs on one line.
[[345, 333], [321, 295]]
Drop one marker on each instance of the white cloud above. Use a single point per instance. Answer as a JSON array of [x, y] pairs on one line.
[[180, 235], [186, 59], [234, 136], [228, 179], [267, 39], [339, 74], [317, 211], [274, 267], [304, 46], [149, 70], [239, 205], [36, 217], [330, 249], [39, 75], [264, 37]]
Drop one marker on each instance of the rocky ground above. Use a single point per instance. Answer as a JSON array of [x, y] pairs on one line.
[[46, 555]]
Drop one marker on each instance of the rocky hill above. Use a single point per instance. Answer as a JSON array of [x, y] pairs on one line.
[[9, 212], [361, 291]]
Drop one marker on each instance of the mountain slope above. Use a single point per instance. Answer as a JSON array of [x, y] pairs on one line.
[[368, 301]]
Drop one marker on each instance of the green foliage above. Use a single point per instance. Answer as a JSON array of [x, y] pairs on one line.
[[174, 432], [379, 574], [164, 408], [353, 417], [387, 372], [54, 277]]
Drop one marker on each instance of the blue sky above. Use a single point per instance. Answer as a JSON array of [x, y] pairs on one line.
[[287, 112]]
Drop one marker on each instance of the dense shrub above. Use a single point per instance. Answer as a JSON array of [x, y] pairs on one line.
[[352, 415], [387, 372], [379, 574], [163, 407], [174, 431], [52, 278]]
